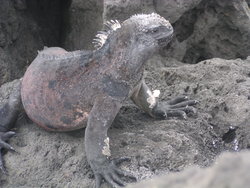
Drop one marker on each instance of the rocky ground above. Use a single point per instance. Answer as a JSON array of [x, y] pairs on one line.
[[204, 30], [46, 159]]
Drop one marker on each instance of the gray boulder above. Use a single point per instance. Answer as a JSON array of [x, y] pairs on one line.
[[230, 170]]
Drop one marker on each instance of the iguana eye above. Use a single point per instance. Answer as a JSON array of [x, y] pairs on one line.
[[155, 30]]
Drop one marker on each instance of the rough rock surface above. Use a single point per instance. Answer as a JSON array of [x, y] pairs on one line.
[[47, 159], [81, 21], [214, 29], [18, 37], [25, 27], [170, 9], [224, 173]]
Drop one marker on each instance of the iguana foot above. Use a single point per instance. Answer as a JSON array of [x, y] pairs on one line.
[[177, 107], [107, 170], [4, 136]]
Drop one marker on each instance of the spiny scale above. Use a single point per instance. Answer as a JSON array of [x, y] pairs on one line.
[[101, 36]]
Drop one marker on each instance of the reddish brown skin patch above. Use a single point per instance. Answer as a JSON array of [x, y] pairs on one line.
[[52, 96]]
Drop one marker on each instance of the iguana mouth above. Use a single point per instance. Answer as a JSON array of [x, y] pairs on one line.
[[163, 41]]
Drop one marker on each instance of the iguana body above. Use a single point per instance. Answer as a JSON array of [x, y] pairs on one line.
[[63, 91]]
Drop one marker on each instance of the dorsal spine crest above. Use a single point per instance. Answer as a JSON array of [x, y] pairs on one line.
[[101, 36]]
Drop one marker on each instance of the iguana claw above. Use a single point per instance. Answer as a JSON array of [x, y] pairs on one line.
[[4, 136], [178, 107], [111, 174]]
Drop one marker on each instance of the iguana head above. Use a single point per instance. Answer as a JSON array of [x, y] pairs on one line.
[[151, 29], [144, 30]]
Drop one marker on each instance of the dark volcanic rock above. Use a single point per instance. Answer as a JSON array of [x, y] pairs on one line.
[[25, 27], [18, 38], [47, 159], [82, 20], [214, 29], [173, 10], [170, 9]]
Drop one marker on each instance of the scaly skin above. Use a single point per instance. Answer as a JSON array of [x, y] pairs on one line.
[[63, 91]]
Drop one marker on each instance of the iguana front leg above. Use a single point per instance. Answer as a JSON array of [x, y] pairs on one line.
[[147, 101], [8, 115], [97, 142]]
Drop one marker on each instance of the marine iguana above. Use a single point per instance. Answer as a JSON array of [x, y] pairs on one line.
[[64, 91]]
